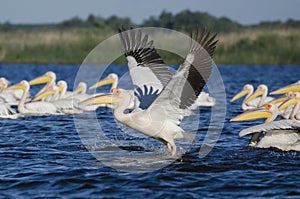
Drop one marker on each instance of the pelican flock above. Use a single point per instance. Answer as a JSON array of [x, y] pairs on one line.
[[284, 133], [160, 99]]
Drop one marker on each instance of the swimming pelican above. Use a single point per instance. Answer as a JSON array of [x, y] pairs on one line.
[[5, 110], [247, 90], [49, 78], [62, 104], [33, 108], [294, 99], [10, 97], [262, 90], [283, 134], [295, 87], [161, 119], [80, 92], [252, 100]]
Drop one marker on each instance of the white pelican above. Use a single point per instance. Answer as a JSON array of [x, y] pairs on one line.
[[252, 100], [295, 87], [161, 119], [137, 49], [294, 99], [262, 90], [6, 111], [63, 105], [33, 108], [9, 96], [283, 134], [80, 92], [49, 78]]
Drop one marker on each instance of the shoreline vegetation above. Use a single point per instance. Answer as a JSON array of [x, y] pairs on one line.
[[70, 41]]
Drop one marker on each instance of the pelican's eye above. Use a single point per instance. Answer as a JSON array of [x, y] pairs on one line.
[[293, 95], [268, 106], [115, 91]]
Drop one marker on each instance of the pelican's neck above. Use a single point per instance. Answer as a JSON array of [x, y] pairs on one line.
[[244, 105], [275, 113], [263, 98], [21, 105], [115, 84], [63, 92], [295, 109], [119, 113]]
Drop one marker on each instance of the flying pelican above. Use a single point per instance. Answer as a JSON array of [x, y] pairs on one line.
[[283, 134], [137, 49], [295, 87], [33, 108], [161, 119], [252, 100]]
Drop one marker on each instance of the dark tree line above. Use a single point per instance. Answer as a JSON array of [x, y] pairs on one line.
[[183, 21]]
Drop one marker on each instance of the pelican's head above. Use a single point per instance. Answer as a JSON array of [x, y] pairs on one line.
[[23, 85], [261, 90], [81, 88], [293, 98], [112, 78], [62, 86], [295, 87], [52, 91], [4, 83], [268, 111], [46, 78], [248, 88]]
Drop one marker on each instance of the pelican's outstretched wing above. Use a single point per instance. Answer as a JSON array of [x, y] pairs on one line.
[[274, 125], [186, 84], [147, 69], [142, 57]]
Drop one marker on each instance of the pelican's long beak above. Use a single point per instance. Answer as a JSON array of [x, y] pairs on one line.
[[289, 88], [16, 87], [78, 90], [279, 100], [60, 88], [43, 95], [252, 115], [239, 95], [255, 95], [40, 80], [287, 103], [103, 82], [102, 99]]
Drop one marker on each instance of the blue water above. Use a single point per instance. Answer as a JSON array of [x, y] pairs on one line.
[[45, 157]]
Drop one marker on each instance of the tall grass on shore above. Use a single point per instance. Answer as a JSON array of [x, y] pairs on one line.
[[260, 47], [250, 46]]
